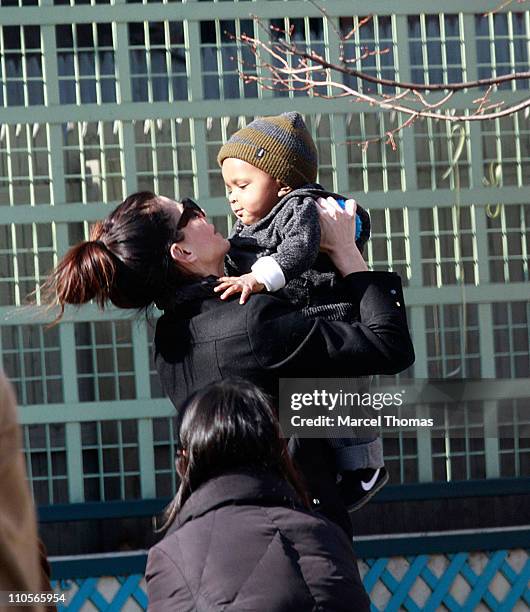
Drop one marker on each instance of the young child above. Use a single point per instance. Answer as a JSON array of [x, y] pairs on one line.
[[270, 168]]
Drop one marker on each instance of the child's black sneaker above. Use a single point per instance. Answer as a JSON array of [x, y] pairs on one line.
[[357, 487]]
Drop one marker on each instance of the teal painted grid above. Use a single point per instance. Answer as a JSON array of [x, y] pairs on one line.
[[461, 449], [130, 100], [32, 356], [453, 347], [514, 443], [46, 451], [378, 167], [93, 159], [111, 467], [436, 46], [388, 248], [502, 45], [157, 61], [26, 255], [402, 457], [95, 76], [105, 361], [436, 146], [22, 75], [375, 35], [511, 339], [508, 230], [26, 165], [165, 455], [220, 77], [163, 151], [322, 132]]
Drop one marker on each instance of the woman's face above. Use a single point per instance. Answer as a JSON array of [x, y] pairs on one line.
[[200, 237]]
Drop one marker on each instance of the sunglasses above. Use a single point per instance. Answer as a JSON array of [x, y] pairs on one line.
[[191, 211]]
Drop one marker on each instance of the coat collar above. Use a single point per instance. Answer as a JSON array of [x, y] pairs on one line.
[[190, 293], [238, 488]]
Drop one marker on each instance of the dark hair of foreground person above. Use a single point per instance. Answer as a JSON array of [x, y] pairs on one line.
[[229, 426], [240, 534]]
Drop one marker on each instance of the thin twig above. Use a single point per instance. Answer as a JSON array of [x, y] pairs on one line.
[[514, 76], [292, 69], [501, 6]]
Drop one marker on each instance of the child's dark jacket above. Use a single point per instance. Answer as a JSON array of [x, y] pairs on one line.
[[290, 234]]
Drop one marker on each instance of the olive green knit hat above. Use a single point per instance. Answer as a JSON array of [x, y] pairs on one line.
[[280, 146]]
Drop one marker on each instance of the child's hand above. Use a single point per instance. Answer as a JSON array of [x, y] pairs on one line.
[[244, 284]]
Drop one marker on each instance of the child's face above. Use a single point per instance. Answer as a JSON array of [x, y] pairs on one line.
[[252, 193]]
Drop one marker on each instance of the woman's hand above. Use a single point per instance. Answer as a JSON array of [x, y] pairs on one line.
[[337, 226]]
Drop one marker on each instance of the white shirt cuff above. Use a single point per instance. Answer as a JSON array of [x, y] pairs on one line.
[[268, 272]]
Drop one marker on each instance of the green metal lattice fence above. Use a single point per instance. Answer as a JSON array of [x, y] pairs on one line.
[[101, 99]]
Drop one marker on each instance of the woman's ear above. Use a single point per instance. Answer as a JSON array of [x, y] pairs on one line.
[[283, 190], [180, 254]]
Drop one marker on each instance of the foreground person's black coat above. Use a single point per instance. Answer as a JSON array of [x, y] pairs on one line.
[[243, 543], [204, 339]]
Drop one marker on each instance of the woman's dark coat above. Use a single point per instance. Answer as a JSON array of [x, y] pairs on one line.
[[243, 543], [204, 339]]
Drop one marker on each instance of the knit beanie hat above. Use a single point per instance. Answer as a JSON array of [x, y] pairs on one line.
[[281, 146]]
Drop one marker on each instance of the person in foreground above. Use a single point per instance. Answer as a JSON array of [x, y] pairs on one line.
[[20, 566], [151, 249], [241, 536]]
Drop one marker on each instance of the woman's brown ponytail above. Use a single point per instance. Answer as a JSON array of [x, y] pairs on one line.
[[127, 260], [85, 273]]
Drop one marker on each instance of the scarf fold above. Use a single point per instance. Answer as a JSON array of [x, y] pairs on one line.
[[190, 292]]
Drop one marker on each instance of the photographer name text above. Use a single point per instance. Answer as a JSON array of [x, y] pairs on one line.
[[381, 420]]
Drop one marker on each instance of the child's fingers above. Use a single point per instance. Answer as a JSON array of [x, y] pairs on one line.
[[230, 291], [245, 293], [222, 286], [225, 281]]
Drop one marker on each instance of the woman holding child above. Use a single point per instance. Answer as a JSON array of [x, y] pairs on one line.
[[153, 250]]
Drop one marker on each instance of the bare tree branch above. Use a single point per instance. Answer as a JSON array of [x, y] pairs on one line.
[[502, 6], [288, 67], [514, 76]]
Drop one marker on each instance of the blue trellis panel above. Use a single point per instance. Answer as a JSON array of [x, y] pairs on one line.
[[464, 582]]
